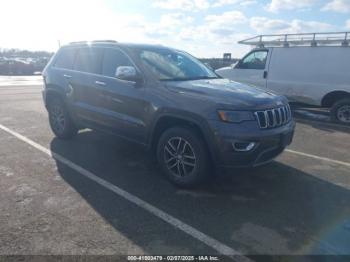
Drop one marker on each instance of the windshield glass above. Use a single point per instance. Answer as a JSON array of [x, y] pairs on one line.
[[171, 65]]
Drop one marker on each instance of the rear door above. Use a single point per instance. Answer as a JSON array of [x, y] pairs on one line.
[[88, 64], [63, 73], [252, 69], [122, 102]]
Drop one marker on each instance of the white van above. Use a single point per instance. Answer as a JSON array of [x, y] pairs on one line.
[[313, 74]]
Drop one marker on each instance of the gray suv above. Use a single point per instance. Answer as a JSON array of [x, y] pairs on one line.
[[168, 101]]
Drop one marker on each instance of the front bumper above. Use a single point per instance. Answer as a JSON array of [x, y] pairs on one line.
[[269, 143]]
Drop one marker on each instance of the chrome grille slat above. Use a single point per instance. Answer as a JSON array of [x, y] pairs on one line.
[[272, 118], [278, 117], [266, 119]]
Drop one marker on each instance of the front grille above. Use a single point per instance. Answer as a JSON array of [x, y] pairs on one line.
[[274, 117]]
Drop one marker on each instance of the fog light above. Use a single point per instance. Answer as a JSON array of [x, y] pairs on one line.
[[243, 146]]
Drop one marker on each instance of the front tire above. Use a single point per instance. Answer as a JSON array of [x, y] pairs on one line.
[[183, 157], [60, 121], [340, 111]]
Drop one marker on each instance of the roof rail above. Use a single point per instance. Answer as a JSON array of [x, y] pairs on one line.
[[94, 41], [104, 41], [78, 43], [303, 39]]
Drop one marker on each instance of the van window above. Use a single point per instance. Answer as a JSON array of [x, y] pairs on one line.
[[65, 59], [255, 60], [112, 59], [89, 60]]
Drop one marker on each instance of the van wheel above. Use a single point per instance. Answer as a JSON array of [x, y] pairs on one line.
[[60, 121], [340, 111], [183, 157]]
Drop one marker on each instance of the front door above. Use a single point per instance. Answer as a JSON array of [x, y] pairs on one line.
[[121, 102], [252, 69]]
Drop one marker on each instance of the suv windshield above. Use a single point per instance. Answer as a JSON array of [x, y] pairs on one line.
[[171, 65]]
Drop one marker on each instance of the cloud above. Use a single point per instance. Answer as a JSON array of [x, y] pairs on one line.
[[215, 27], [168, 25], [175, 20], [233, 2], [195, 40], [39, 18], [248, 2], [196, 5], [205, 35], [266, 25], [231, 17], [348, 24], [186, 5], [277, 5], [340, 6], [225, 23]]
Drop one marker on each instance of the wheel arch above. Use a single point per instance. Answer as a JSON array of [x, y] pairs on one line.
[[166, 121], [51, 93], [329, 99]]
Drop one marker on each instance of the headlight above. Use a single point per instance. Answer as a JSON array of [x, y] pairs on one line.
[[235, 116]]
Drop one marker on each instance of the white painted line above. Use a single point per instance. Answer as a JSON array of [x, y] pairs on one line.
[[318, 157], [209, 241], [11, 84]]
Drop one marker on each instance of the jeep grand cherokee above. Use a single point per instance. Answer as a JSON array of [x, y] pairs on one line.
[[168, 101]]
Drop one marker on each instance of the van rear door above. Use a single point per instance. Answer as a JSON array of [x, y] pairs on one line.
[[252, 69]]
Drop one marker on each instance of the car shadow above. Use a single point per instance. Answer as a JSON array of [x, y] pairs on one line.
[[275, 209], [323, 126]]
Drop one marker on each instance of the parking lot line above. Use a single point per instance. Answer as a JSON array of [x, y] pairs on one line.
[[318, 157], [209, 241]]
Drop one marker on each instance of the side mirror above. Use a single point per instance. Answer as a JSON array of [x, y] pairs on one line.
[[127, 73]]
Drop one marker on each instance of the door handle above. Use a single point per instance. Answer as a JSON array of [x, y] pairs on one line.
[[265, 74], [99, 83], [67, 76]]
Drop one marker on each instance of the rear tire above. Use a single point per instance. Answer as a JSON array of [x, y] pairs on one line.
[[60, 121], [340, 111], [183, 157]]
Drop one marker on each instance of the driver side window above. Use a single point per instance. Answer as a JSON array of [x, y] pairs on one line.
[[113, 58], [255, 60]]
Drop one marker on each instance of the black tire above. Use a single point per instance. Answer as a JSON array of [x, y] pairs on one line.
[[340, 111], [60, 121], [197, 168]]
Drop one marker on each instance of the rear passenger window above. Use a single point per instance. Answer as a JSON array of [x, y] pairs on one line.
[[89, 60], [66, 58], [112, 59]]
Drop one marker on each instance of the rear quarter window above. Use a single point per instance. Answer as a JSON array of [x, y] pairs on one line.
[[65, 59]]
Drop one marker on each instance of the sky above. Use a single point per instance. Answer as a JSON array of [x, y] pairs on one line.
[[204, 28]]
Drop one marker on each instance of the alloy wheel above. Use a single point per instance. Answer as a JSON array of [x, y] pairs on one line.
[[343, 114], [179, 157], [58, 118]]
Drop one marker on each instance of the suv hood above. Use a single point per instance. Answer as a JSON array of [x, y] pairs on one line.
[[227, 93]]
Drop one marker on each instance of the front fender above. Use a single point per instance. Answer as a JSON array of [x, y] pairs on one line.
[[195, 119]]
